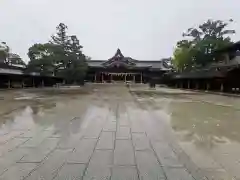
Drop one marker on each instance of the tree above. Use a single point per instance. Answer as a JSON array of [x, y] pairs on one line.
[[4, 51], [9, 58], [15, 60], [42, 59], [182, 59], [74, 52], [61, 43], [76, 67], [62, 56], [203, 41], [211, 29], [60, 38], [71, 60]]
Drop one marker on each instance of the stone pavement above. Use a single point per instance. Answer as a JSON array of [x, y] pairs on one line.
[[108, 134]]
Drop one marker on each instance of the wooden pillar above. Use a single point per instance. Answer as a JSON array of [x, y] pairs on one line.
[[42, 83], [134, 78], [189, 84], [222, 87], [102, 77], [23, 85], [208, 86], [9, 83], [125, 80], [180, 85], [33, 82], [141, 78], [196, 85], [95, 78]]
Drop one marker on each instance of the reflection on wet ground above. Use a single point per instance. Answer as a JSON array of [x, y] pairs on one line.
[[163, 133], [206, 126], [36, 109]]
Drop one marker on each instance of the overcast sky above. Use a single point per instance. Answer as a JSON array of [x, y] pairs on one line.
[[142, 29]]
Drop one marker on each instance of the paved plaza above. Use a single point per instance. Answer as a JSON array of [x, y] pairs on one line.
[[103, 132]]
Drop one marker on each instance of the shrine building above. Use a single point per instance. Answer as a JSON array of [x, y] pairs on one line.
[[125, 69]]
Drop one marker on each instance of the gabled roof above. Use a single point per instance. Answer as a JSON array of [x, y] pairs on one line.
[[233, 47], [213, 70], [95, 63], [119, 60], [203, 74], [118, 54], [11, 71]]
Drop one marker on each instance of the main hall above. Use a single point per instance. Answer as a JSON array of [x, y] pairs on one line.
[[121, 68]]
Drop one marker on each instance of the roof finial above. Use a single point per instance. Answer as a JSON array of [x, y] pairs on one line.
[[119, 53]]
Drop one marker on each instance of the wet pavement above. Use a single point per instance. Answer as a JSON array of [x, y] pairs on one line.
[[112, 132]]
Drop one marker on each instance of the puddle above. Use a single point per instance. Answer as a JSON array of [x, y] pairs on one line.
[[24, 98], [207, 127]]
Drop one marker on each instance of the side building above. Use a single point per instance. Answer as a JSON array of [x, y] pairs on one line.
[[221, 75], [13, 75], [121, 68]]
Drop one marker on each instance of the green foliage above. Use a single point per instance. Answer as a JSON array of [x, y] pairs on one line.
[[61, 43], [60, 38], [4, 51], [15, 59], [71, 59], [75, 73], [197, 50], [75, 62], [182, 58], [41, 59], [62, 56], [8, 57], [3, 55]]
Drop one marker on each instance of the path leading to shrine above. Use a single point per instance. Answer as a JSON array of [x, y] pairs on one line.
[[112, 132]]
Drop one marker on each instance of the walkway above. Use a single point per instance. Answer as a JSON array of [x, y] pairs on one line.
[[105, 133]]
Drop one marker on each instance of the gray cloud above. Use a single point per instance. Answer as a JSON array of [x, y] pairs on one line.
[[142, 29]]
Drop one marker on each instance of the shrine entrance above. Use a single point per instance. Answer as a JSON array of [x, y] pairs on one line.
[[109, 77], [117, 77]]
